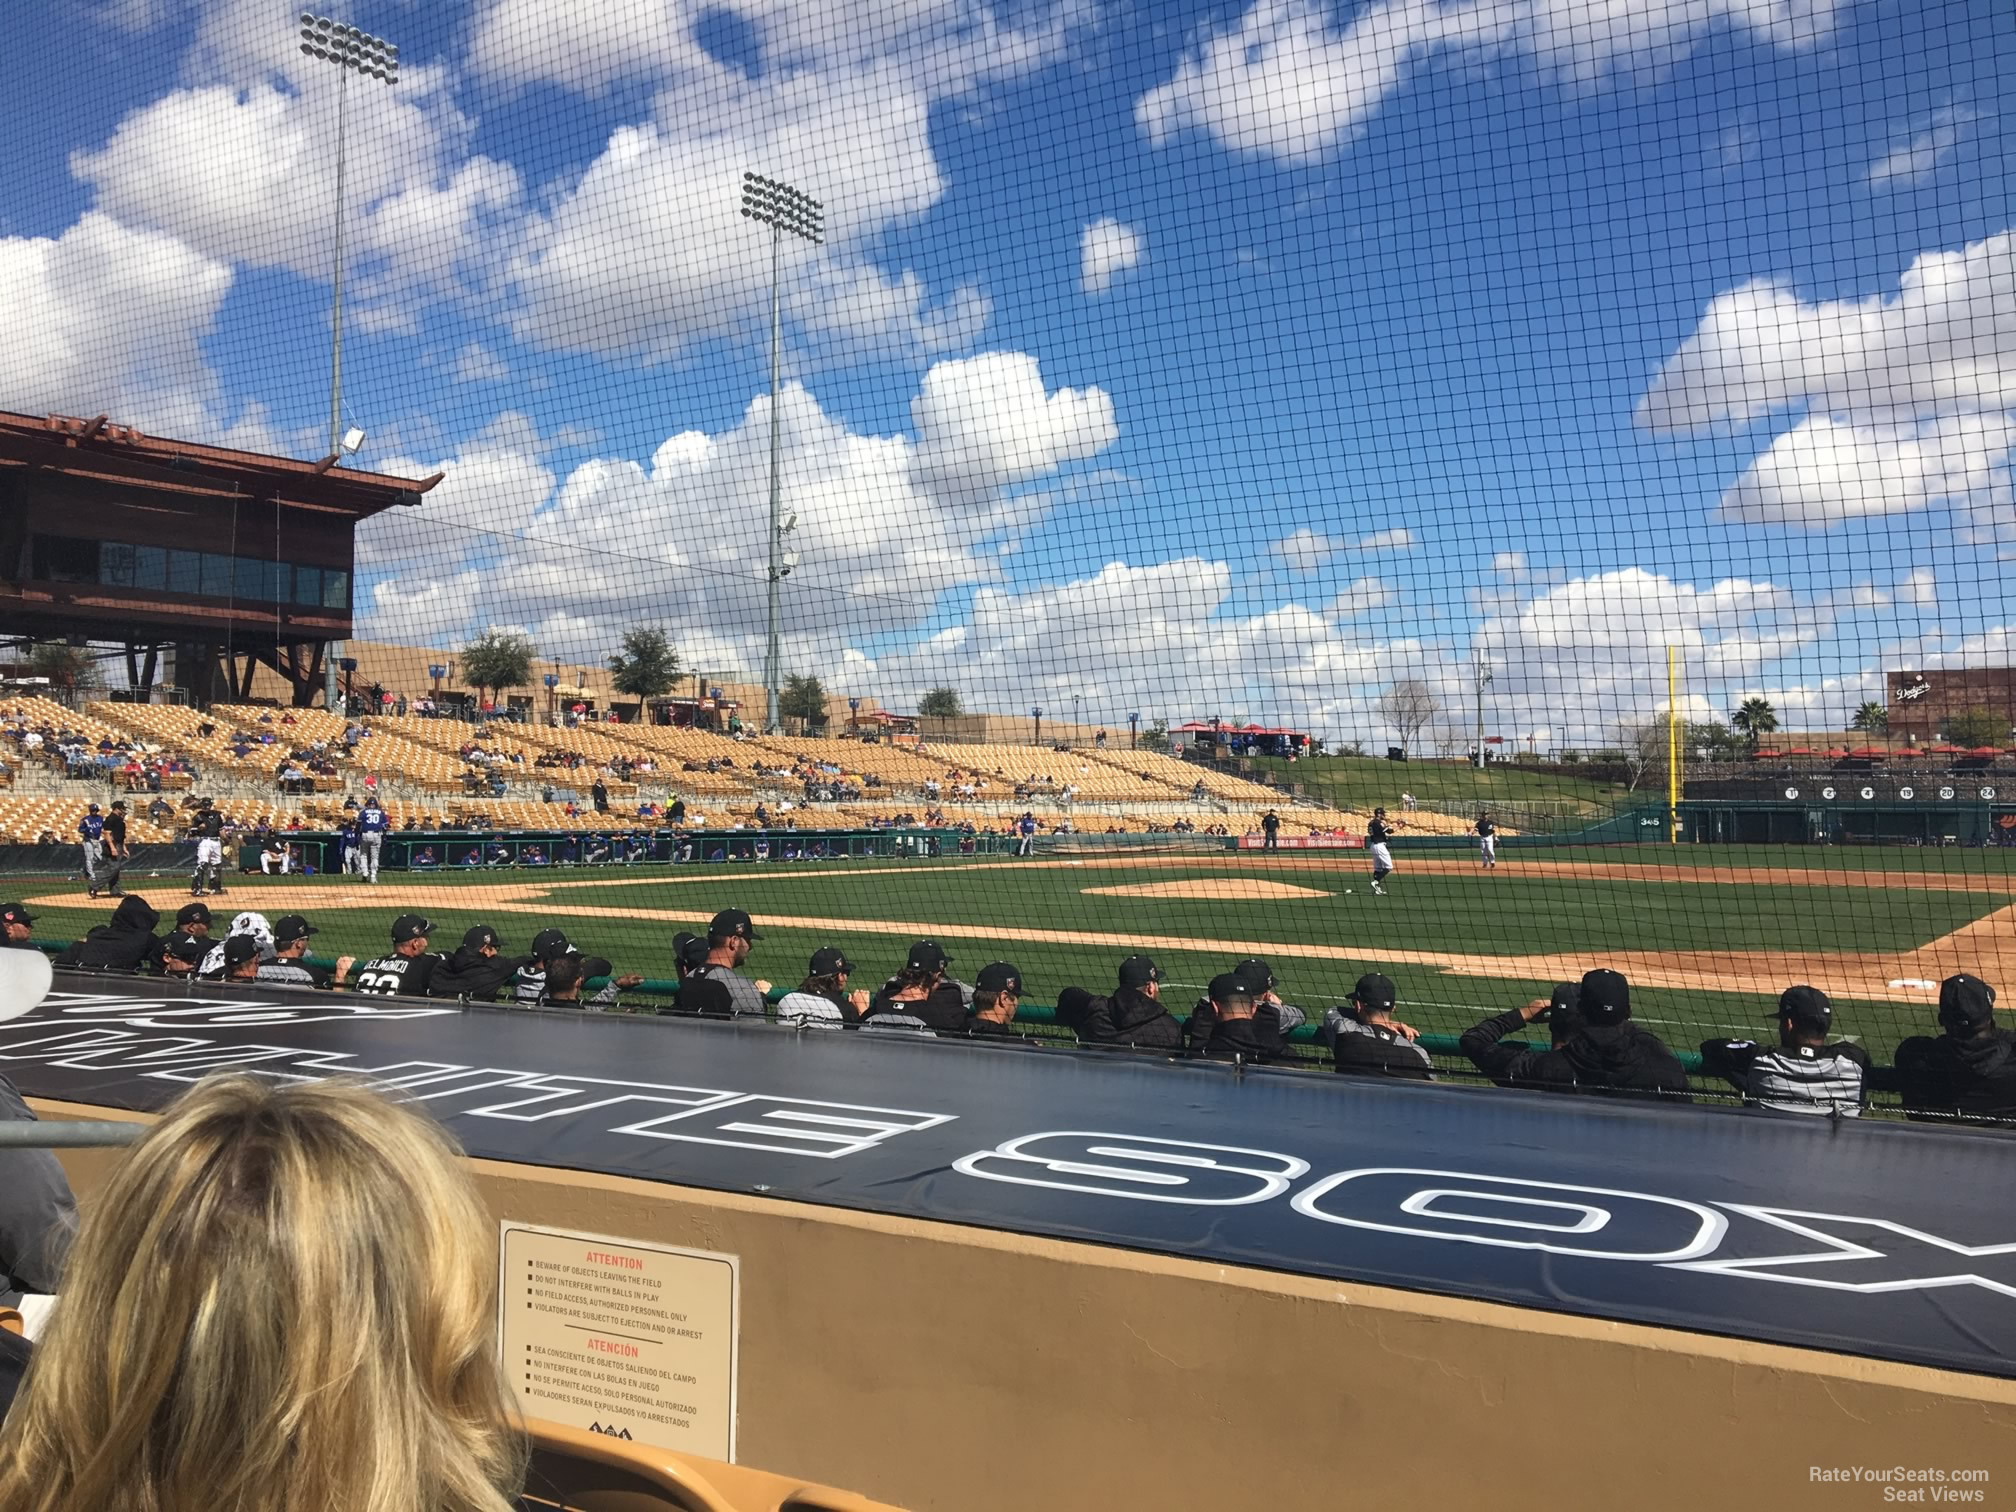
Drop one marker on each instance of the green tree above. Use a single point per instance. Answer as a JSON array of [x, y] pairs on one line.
[[1156, 736], [1977, 727], [1871, 716], [803, 697], [941, 703], [647, 665], [497, 659], [1712, 738], [1754, 718], [64, 665]]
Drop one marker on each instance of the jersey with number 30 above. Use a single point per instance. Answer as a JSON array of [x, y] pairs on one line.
[[396, 975]]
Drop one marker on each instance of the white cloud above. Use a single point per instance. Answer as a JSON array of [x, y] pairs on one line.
[[1304, 550], [247, 176], [1918, 160], [1362, 596], [985, 423], [107, 318], [1920, 589], [476, 363], [1509, 564], [883, 529], [1908, 399], [1295, 80], [1106, 249]]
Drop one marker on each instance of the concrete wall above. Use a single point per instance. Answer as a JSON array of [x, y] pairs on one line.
[[939, 1367]]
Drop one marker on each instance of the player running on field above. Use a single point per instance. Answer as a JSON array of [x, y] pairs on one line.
[[1487, 840], [1377, 834]]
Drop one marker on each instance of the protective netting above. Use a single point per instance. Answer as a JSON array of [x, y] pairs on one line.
[[1183, 413]]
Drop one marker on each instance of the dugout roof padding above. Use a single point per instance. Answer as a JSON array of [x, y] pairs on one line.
[[1878, 1239]]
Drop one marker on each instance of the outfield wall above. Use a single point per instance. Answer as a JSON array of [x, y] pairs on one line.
[[944, 1367]]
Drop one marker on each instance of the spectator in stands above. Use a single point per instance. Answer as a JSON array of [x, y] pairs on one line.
[[997, 992], [1238, 1026], [38, 1214], [125, 942], [921, 996], [822, 1000], [1134, 1014], [409, 969], [16, 927], [478, 970], [598, 793], [1365, 1039], [1596, 1046], [290, 966], [1805, 1074], [285, 1298], [730, 938], [1967, 1072]]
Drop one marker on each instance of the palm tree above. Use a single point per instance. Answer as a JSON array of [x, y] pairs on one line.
[[1755, 718], [1872, 717]]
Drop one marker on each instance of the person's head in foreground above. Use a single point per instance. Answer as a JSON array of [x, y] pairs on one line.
[[284, 1298]]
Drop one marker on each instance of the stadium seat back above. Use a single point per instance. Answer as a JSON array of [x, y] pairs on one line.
[[577, 1471]]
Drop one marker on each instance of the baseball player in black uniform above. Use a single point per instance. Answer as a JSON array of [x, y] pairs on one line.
[[1487, 840], [207, 829], [1377, 833], [409, 969]]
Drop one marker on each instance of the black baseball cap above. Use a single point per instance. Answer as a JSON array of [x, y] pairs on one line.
[[94, 808], [118, 804], [15, 913], [927, 955], [1606, 997], [1805, 1005], [192, 913], [1258, 975], [1138, 971], [1229, 986], [999, 976], [476, 936], [411, 927], [729, 923], [1564, 1008], [550, 945], [239, 949], [1965, 1002], [829, 960], [291, 927], [1374, 991], [185, 948]]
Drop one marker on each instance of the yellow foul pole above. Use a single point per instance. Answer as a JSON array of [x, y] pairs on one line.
[[1672, 752]]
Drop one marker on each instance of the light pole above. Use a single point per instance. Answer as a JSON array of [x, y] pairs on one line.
[[352, 51], [1133, 731], [1482, 673], [1037, 715], [780, 207]]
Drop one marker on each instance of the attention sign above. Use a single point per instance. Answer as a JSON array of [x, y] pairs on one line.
[[636, 1341]]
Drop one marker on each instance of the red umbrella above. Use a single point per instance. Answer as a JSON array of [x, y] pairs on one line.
[[1874, 753], [1909, 753], [1949, 750], [1802, 751], [1984, 751], [1836, 751], [1766, 751]]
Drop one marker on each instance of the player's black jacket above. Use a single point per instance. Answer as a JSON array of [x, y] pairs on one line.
[[471, 974], [1378, 832], [208, 825], [1275, 1021], [115, 833], [1372, 1049], [1943, 1077], [1596, 1058], [944, 1011], [1796, 1079], [1486, 827], [1131, 1017], [126, 942], [396, 975]]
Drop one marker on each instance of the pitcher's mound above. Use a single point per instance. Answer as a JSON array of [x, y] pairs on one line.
[[1214, 889]]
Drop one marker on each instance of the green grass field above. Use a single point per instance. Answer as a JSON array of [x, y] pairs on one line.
[[984, 911]]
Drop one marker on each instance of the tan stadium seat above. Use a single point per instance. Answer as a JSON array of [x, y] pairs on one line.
[[586, 1472]]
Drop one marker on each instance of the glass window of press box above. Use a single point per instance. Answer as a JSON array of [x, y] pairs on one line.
[[207, 574]]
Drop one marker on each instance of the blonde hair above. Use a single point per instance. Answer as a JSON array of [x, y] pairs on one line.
[[283, 1300]]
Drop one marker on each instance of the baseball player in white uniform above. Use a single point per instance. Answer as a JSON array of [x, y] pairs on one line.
[[1487, 841]]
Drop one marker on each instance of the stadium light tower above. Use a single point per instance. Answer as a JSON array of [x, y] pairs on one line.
[[351, 51], [784, 210], [1481, 672]]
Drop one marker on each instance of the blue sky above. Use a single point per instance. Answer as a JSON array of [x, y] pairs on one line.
[[1240, 358]]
